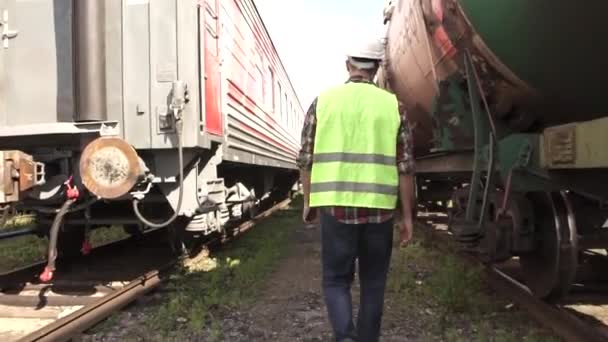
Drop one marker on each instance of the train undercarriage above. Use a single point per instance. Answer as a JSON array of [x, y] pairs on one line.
[[109, 183], [537, 197]]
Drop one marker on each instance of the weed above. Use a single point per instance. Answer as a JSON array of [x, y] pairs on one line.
[[24, 250], [404, 280], [199, 294], [455, 287], [449, 297], [21, 251], [105, 235]]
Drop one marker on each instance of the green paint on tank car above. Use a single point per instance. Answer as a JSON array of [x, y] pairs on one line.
[[558, 47]]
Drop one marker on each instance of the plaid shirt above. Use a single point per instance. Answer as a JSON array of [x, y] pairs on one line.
[[405, 165]]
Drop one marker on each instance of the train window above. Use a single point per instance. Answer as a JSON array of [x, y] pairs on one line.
[[285, 109], [279, 103], [272, 98], [291, 114], [261, 87]]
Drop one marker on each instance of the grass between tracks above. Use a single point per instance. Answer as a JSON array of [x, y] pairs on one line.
[[205, 288], [450, 300], [430, 292], [24, 250]]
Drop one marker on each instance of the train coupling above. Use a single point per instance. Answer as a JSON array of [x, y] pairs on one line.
[[110, 167], [19, 173]]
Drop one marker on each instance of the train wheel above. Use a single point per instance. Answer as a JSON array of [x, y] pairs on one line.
[[550, 270], [176, 236], [459, 206]]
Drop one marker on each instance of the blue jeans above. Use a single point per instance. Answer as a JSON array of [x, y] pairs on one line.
[[342, 243]]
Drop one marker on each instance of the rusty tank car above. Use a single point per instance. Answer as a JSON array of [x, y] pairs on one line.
[[505, 100]]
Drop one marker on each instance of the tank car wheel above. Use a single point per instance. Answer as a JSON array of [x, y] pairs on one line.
[[551, 268], [459, 206]]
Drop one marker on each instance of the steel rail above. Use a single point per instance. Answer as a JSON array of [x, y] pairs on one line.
[[79, 321], [71, 325], [563, 323]]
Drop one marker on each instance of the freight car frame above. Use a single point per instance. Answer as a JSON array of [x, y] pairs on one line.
[[178, 109], [519, 172]]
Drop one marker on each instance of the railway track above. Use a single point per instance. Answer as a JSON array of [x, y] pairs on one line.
[[561, 316], [87, 291]]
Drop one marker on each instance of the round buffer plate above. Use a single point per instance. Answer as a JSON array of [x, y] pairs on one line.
[[109, 167]]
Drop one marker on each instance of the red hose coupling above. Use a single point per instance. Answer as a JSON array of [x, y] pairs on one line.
[[86, 247], [72, 191], [47, 275]]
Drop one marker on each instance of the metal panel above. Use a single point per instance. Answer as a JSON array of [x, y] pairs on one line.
[[188, 67], [447, 163], [136, 59], [163, 66], [580, 145], [4, 6], [253, 134], [114, 67], [37, 62]]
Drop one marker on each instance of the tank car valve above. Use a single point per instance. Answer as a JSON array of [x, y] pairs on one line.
[[110, 167]]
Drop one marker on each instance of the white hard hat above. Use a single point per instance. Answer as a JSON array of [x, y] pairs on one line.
[[373, 50]]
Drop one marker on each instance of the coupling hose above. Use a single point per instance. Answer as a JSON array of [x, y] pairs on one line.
[[47, 274], [178, 131]]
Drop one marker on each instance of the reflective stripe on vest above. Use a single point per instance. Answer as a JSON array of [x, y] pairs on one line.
[[354, 158], [354, 162], [354, 187]]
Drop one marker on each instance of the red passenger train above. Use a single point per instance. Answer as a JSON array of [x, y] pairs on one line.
[[171, 113]]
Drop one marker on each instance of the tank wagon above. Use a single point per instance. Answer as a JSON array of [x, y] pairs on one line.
[[143, 114], [506, 100]]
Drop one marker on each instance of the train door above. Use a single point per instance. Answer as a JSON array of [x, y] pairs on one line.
[[209, 24], [4, 45], [35, 62]]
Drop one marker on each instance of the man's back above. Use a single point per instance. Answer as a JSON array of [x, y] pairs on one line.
[[354, 160], [404, 158]]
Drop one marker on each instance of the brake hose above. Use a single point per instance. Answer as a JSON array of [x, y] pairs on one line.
[[47, 274], [178, 131]]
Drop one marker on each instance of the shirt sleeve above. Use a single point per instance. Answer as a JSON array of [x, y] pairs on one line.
[[304, 160], [405, 156]]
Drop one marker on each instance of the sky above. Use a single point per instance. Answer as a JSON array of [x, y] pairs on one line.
[[312, 37]]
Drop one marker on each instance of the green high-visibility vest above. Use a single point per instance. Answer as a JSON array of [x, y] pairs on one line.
[[354, 162]]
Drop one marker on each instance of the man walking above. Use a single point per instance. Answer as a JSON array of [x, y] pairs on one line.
[[356, 162]]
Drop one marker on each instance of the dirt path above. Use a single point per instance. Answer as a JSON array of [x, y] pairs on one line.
[[291, 305], [430, 297]]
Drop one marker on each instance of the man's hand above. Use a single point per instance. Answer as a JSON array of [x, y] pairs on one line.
[[406, 194], [406, 230], [309, 215]]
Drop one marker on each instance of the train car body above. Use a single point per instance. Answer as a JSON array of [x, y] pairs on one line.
[[116, 97], [506, 103]]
